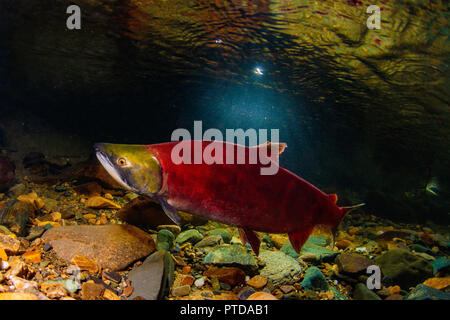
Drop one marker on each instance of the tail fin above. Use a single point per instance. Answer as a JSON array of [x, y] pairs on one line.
[[343, 211]]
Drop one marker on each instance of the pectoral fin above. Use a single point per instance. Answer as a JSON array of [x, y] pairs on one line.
[[170, 211], [251, 237], [298, 239]]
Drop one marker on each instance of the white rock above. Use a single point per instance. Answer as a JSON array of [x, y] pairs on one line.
[[199, 282]]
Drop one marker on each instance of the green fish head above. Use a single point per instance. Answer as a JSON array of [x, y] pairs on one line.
[[133, 166]]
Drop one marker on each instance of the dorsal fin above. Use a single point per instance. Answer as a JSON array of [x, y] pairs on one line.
[[280, 146], [333, 197]]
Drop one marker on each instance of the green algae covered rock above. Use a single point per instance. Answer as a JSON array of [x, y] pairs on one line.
[[322, 253], [192, 236], [224, 233], [314, 280], [165, 240], [423, 292], [231, 255], [361, 292]]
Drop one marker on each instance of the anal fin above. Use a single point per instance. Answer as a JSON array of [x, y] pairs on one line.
[[251, 237], [170, 211], [299, 238]]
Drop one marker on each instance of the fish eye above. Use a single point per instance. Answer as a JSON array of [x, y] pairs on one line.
[[122, 162]]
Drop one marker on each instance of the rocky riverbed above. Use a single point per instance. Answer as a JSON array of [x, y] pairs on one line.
[[80, 237]]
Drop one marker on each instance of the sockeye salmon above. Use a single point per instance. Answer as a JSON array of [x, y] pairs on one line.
[[232, 193]]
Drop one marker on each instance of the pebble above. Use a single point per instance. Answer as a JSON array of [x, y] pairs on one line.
[[187, 280], [343, 244], [314, 280], [164, 240], [192, 236], [98, 202], [235, 254], [84, 263], [230, 275], [361, 292], [199, 282], [91, 290], [437, 283], [441, 263], [352, 264], [181, 291], [261, 296], [222, 232], [423, 292], [171, 227], [17, 296], [11, 245], [33, 256], [257, 282]]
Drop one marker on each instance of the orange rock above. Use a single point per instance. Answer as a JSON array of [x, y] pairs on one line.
[[394, 290], [17, 296], [229, 275], [84, 263], [127, 291], [34, 256], [427, 237], [54, 290], [98, 202], [257, 282], [354, 230], [89, 216], [33, 199], [3, 255], [108, 196], [261, 295], [108, 294], [103, 220], [342, 244], [186, 269], [91, 291], [187, 280], [43, 223], [56, 216], [438, 283]]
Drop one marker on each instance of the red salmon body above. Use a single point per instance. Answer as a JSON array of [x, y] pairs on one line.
[[238, 194]]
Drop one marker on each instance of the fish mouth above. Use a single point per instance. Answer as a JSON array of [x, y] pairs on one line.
[[109, 167]]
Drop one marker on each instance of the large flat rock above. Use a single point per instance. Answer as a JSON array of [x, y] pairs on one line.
[[111, 246]]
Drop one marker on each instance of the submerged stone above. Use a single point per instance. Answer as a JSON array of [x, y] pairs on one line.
[[231, 255], [15, 214], [224, 233], [314, 280], [404, 268], [111, 246], [209, 241], [153, 278], [192, 236], [361, 292], [440, 263], [279, 268], [322, 253], [164, 240], [423, 292]]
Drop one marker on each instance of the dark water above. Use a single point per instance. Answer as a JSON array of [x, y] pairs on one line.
[[365, 113]]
